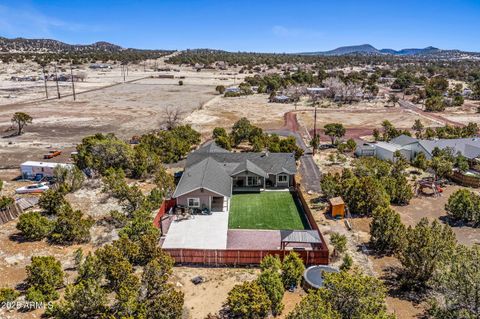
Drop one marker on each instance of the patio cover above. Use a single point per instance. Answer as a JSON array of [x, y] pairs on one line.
[[300, 236]]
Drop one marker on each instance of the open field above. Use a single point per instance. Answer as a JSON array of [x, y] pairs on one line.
[[434, 209], [125, 109], [266, 210], [361, 122], [224, 112]]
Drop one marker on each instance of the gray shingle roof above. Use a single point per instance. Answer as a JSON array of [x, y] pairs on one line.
[[207, 174], [403, 140], [249, 166], [211, 147], [469, 147], [271, 163], [211, 167]]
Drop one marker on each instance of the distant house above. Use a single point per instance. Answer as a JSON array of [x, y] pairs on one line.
[[318, 91], [410, 147], [467, 92], [212, 174], [232, 90], [280, 99], [96, 66], [30, 169]]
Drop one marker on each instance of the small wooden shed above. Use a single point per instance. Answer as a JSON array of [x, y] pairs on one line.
[[337, 207]]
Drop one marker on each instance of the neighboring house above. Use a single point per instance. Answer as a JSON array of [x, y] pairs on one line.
[[410, 147], [280, 99], [30, 169], [317, 91], [212, 174], [232, 90]]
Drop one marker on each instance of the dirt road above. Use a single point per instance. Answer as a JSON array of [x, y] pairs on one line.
[[434, 117]]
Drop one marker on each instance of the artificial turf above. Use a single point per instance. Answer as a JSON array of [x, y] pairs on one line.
[[266, 210]]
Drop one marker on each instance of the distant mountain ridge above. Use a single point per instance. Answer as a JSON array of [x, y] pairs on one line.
[[49, 45], [368, 49]]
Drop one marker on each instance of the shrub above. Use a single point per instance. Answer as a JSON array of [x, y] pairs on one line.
[[44, 276], [34, 226], [71, 227], [248, 300], [355, 295], [464, 205], [271, 262], [427, 248], [339, 243], [51, 201], [420, 161], [271, 281], [387, 233], [347, 262], [292, 270], [313, 306], [220, 89], [6, 201], [8, 295]]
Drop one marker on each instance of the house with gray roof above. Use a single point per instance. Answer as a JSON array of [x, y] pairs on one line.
[[212, 174], [410, 147]]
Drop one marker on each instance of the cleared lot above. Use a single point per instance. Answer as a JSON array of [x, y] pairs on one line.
[[126, 110]]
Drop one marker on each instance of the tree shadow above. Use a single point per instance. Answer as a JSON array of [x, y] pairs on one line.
[[11, 135], [20, 239], [397, 288]]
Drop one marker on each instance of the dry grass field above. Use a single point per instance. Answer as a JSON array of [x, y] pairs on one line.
[[124, 109]]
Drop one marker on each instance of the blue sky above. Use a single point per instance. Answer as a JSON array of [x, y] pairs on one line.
[[244, 25]]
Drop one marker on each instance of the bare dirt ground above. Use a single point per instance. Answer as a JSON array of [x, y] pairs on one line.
[[463, 114], [126, 109], [208, 297], [434, 209], [361, 122], [224, 112]]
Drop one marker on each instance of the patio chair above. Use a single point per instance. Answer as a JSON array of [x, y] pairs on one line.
[[206, 211]]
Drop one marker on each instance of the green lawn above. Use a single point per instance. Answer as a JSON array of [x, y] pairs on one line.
[[266, 210]]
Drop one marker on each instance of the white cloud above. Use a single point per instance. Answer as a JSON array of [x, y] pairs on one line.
[[29, 22], [284, 32]]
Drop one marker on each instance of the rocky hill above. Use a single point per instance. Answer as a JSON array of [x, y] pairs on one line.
[[367, 49], [54, 46]]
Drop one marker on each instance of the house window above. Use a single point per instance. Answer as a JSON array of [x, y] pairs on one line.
[[282, 178], [194, 202], [253, 181]]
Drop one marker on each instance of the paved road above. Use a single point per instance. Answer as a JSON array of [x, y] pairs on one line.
[[309, 171]]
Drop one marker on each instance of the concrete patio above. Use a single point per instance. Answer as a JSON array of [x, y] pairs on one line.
[[199, 232]]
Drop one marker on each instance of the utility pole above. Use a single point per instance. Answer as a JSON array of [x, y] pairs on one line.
[[123, 73], [314, 129], [45, 81], [56, 80], [73, 85]]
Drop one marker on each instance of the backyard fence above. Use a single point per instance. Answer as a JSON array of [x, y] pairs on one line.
[[237, 257], [465, 180], [9, 213], [164, 208]]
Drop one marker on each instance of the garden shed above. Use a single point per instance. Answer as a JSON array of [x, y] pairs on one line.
[[337, 207]]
